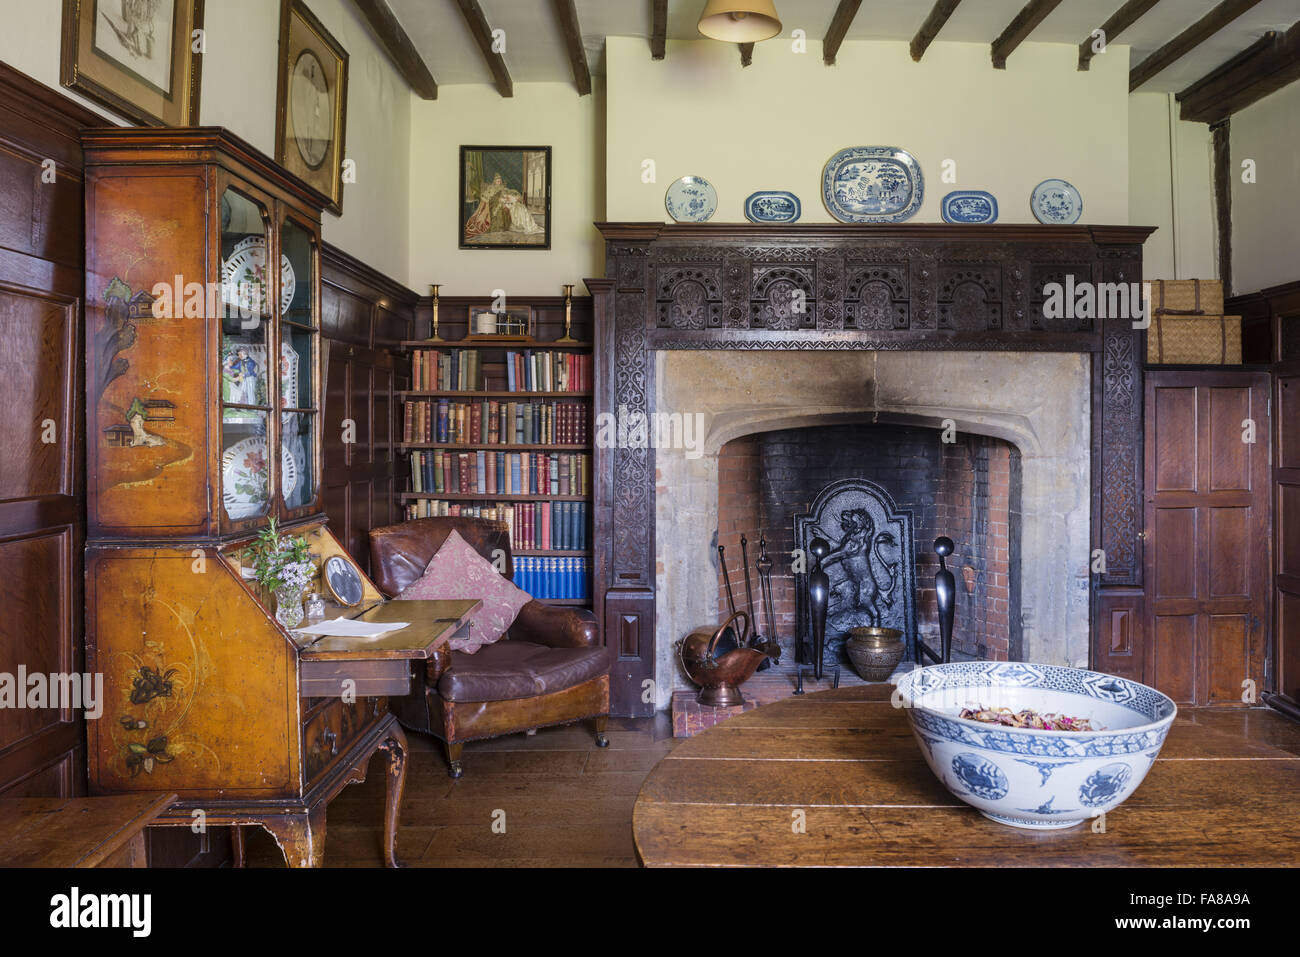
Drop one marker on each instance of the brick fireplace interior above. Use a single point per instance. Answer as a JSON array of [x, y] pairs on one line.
[[968, 489]]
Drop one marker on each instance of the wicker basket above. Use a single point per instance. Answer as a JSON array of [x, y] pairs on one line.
[[1187, 297], [1194, 340]]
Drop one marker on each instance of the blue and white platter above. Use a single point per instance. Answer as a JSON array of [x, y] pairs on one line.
[[773, 206], [872, 184], [1056, 202], [691, 199], [969, 206]]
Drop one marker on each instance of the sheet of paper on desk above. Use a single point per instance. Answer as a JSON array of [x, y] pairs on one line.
[[346, 628]]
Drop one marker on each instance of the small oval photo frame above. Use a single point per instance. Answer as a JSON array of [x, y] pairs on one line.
[[343, 582]]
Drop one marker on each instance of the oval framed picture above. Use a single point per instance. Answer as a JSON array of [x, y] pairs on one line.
[[343, 582]]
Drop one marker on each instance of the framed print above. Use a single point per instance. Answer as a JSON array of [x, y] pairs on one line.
[[505, 197], [140, 58], [311, 102], [513, 323]]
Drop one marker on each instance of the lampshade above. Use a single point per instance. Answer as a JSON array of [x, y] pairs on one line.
[[739, 21]]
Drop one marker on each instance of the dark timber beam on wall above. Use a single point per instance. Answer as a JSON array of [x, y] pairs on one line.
[[567, 14], [1264, 67], [1119, 21], [1222, 133], [930, 29], [658, 29], [746, 53], [844, 14], [1025, 23], [399, 47], [478, 26], [1188, 40]]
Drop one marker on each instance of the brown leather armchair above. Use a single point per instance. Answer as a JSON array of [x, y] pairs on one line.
[[550, 668]]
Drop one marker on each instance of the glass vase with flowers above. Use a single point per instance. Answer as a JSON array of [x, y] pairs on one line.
[[282, 565]]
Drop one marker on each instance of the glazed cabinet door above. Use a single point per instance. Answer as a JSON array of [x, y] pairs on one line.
[[298, 330], [245, 469]]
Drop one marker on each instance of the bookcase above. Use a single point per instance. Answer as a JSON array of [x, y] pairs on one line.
[[503, 429]]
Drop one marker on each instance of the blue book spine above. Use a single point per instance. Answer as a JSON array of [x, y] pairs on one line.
[[553, 576], [481, 467], [510, 372], [571, 578]]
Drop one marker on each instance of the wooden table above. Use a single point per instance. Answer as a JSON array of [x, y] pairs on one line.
[[78, 832], [847, 760]]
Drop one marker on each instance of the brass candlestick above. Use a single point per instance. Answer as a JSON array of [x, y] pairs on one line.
[[568, 314], [433, 291]]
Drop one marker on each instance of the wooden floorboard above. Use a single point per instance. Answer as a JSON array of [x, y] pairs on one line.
[[570, 804]]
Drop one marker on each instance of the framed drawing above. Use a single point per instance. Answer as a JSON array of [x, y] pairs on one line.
[[311, 102], [140, 58], [505, 197]]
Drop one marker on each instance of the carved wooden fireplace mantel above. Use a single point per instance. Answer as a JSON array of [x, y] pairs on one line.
[[923, 287]]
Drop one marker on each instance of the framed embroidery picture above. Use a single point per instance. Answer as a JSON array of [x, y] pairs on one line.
[[505, 197], [311, 102], [140, 58]]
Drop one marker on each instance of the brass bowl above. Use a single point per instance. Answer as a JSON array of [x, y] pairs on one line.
[[875, 651]]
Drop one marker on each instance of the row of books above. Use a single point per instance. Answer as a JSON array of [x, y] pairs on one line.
[[534, 526], [553, 578], [501, 473], [495, 423], [458, 370]]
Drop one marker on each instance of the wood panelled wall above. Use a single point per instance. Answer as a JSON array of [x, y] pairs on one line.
[[42, 473], [365, 316]]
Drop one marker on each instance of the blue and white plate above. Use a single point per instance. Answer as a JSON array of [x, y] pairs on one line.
[[773, 206], [1056, 202], [969, 206], [872, 184], [692, 199]]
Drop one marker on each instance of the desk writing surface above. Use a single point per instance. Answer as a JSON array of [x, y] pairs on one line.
[[432, 623]]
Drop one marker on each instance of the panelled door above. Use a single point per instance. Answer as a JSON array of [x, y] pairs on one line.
[[1207, 525], [1286, 480]]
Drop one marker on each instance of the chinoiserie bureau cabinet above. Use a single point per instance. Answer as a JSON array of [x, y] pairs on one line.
[[203, 406]]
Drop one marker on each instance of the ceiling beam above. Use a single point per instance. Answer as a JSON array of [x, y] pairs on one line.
[[1026, 21], [930, 29], [1264, 67], [658, 29], [567, 13], [844, 14], [478, 26], [746, 53], [399, 47], [1188, 40], [1119, 21]]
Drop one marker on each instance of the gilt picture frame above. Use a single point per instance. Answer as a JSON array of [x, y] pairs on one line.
[[505, 197], [311, 103], [142, 59]]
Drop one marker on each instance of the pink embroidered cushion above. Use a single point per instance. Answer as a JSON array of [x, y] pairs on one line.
[[457, 571]]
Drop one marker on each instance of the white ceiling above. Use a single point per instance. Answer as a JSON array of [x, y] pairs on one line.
[[535, 48]]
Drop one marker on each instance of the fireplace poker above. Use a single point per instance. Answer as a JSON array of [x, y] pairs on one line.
[[744, 561], [722, 560], [764, 565], [756, 640]]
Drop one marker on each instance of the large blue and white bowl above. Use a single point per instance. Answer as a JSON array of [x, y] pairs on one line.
[[1025, 777]]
